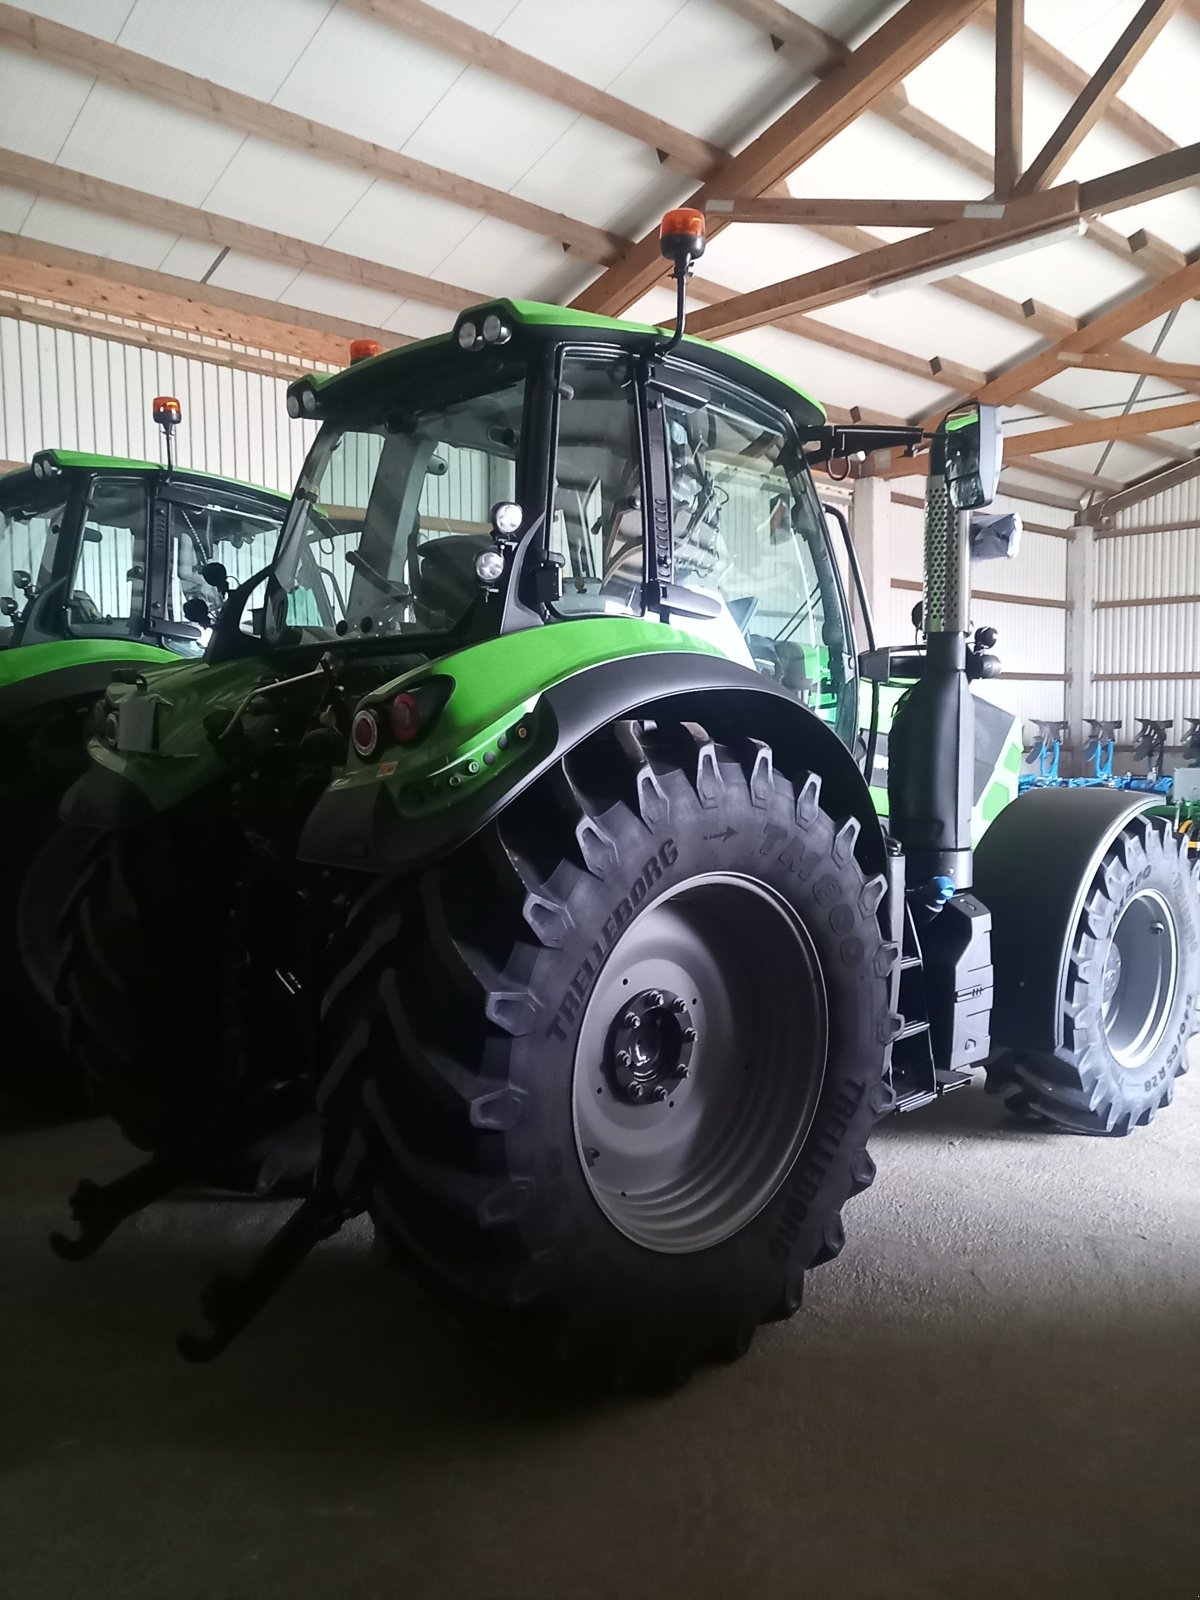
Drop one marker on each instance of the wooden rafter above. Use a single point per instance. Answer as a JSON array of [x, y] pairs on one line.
[[102, 287], [1010, 94], [943, 247], [882, 213], [46, 316], [441, 31], [1091, 481], [882, 60], [1145, 366], [134, 205], [1100, 430], [1096, 95], [98, 58], [1098, 334]]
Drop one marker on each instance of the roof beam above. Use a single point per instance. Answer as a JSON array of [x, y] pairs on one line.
[[1098, 334], [881, 61], [1101, 430], [1081, 480], [441, 31], [152, 211], [1023, 220], [853, 213], [183, 91], [174, 344], [104, 287], [1010, 95], [1144, 180], [1095, 97], [1146, 366], [1155, 483]]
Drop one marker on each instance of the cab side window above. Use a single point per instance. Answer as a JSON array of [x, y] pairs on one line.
[[748, 530], [596, 511]]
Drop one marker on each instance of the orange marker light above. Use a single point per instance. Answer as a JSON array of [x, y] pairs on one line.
[[363, 349], [681, 234], [166, 411]]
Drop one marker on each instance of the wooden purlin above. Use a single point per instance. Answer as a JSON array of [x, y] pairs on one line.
[[881, 61]]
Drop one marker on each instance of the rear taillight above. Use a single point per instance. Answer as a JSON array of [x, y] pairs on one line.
[[364, 733], [405, 717]]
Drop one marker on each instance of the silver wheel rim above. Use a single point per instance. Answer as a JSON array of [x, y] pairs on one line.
[[1139, 979], [680, 1160]]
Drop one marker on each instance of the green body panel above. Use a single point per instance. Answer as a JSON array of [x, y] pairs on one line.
[[484, 725], [185, 761], [37, 660]]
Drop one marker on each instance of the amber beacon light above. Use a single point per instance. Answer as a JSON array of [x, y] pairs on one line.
[[681, 241]]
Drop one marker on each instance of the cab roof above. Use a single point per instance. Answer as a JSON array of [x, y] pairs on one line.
[[82, 460], [536, 315]]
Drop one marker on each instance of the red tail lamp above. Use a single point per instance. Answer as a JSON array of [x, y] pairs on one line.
[[166, 411], [405, 717], [681, 234], [363, 349]]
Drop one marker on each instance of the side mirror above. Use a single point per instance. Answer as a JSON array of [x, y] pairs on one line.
[[972, 448], [8, 605], [214, 573]]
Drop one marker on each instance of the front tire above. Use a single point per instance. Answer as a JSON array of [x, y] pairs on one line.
[[1131, 997], [618, 1198]]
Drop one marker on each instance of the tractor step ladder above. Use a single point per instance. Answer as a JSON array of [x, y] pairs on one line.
[[915, 1080]]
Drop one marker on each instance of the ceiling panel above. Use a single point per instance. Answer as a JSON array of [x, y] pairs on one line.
[[39, 104], [251, 275], [349, 300], [487, 129], [613, 181], [77, 229], [267, 37], [418, 320], [149, 145], [502, 260], [102, 18], [394, 81], [403, 229], [594, 43], [286, 190]]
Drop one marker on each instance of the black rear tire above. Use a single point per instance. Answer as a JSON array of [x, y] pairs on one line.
[[454, 1072], [164, 1009], [43, 862], [1131, 995]]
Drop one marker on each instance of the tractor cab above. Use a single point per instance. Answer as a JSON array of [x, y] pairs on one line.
[[99, 548]]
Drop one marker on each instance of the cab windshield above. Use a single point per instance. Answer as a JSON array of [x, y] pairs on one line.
[[390, 514]]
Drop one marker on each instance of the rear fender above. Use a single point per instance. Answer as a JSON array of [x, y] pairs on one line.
[[375, 826], [1032, 872]]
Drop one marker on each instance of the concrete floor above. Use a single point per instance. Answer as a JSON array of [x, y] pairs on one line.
[[995, 1392]]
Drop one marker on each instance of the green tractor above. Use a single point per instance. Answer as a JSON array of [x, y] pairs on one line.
[[107, 566], [535, 844]]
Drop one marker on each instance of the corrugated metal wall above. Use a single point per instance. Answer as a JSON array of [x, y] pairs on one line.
[[1033, 638], [80, 393], [1140, 647]]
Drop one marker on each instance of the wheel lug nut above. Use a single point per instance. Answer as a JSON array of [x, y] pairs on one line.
[[689, 1036], [654, 998], [637, 1091], [624, 1058], [677, 1006], [631, 1020], [660, 1092], [683, 1072]]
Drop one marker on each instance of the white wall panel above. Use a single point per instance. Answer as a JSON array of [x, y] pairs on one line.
[[78, 393], [1178, 505]]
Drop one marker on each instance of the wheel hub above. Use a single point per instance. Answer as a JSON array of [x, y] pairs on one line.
[[650, 1046]]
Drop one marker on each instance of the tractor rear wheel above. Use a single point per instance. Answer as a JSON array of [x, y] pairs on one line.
[[39, 873], [608, 1073], [167, 1011], [1130, 997]]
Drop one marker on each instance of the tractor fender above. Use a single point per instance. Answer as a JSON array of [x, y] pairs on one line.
[[361, 828], [1032, 872]]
